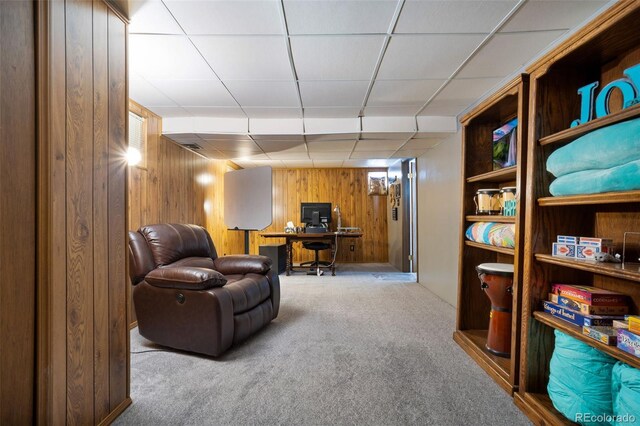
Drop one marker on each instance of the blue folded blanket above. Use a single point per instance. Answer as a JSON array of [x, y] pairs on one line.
[[601, 149], [621, 178]]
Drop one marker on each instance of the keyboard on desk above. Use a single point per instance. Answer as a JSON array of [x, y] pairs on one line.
[[315, 230]]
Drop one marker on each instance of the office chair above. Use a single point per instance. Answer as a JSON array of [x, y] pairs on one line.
[[316, 246]]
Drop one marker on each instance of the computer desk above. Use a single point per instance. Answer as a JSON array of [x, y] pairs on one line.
[[291, 237]]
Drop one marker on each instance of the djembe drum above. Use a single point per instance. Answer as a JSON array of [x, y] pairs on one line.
[[496, 279]]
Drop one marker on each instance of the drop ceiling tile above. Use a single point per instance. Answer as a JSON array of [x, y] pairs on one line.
[[339, 17], [152, 17], [351, 57], [370, 155], [412, 153], [338, 155], [265, 112], [245, 155], [507, 52], [368, 145], [197, 93], [246, 57], [369, 163], [227, 17], [224, 136], [323, 164], [437, 107], [297, 164], [144, 93], [166, 112], [221, 112], [426, 56], [331, 146], [393, 111], [212, 154], [452, 16], [278, 138], [289, 155], [387, 93], [387, 135], [468, 88], [284, 147], [552, 15], [416, 144], [333, 93], [332, 137], [264, 93], [332, 112], [233, 146], [148, 58]]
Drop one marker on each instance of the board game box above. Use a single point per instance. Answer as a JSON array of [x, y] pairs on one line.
[[587, 309], [628, 342], [576, 318], [606, 335], [590, 295]]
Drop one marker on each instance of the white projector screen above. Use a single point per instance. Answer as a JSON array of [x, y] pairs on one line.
[[248, 199]]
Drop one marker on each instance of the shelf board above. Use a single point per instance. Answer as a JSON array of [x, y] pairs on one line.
[[603, 198], [491, 218], [503, 175], [474, 343], [576, 331], [616, 270], [502, 250], [540, 409], [575, 132]]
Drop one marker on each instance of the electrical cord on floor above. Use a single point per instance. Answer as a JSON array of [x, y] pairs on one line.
[[150, 350]]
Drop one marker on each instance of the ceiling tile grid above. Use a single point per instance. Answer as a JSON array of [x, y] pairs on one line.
[[384, 63]]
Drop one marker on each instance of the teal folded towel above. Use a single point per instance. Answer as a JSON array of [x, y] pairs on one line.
[[601, 149], [621, 178]]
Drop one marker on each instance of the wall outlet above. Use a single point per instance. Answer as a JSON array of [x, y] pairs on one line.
[[352, 247]]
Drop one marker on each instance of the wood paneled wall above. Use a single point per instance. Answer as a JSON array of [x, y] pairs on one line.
[[346, 188], [83, 340], [17, 212], [177, 185]]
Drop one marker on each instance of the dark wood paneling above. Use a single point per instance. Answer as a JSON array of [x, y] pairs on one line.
[[117, 222], [17, 212], [82, 300], [346, 188], [100, 210], [79, 122]]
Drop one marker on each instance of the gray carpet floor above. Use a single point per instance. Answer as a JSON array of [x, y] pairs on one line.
[[366, 347]]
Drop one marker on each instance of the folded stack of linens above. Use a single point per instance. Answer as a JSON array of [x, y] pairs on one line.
[[495, 234], [605, 160]]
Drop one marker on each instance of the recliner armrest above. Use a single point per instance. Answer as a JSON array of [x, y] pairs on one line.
[[184, 277], [242, 264]]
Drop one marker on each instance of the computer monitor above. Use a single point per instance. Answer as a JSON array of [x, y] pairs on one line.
[[315, 213]]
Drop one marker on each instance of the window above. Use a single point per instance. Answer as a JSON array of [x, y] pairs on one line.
[[137, 152]]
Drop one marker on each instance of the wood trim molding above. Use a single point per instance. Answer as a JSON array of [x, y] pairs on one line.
[[116, 412]]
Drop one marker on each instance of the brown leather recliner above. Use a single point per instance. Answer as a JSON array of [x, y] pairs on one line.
[[188, 298]]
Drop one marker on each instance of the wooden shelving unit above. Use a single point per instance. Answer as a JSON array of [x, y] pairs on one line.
[[491, 218], [575, 331], [473, 305], [600, 52], [503, 250], [502, 175]]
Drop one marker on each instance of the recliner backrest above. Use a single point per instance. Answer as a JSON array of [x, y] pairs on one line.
[[169, 242]]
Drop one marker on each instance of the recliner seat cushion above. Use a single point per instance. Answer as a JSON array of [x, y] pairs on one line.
[[247, 291], [171, 242]]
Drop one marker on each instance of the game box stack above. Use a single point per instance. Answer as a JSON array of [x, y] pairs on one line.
[[594, 309], [628, 334], [581, 247]]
